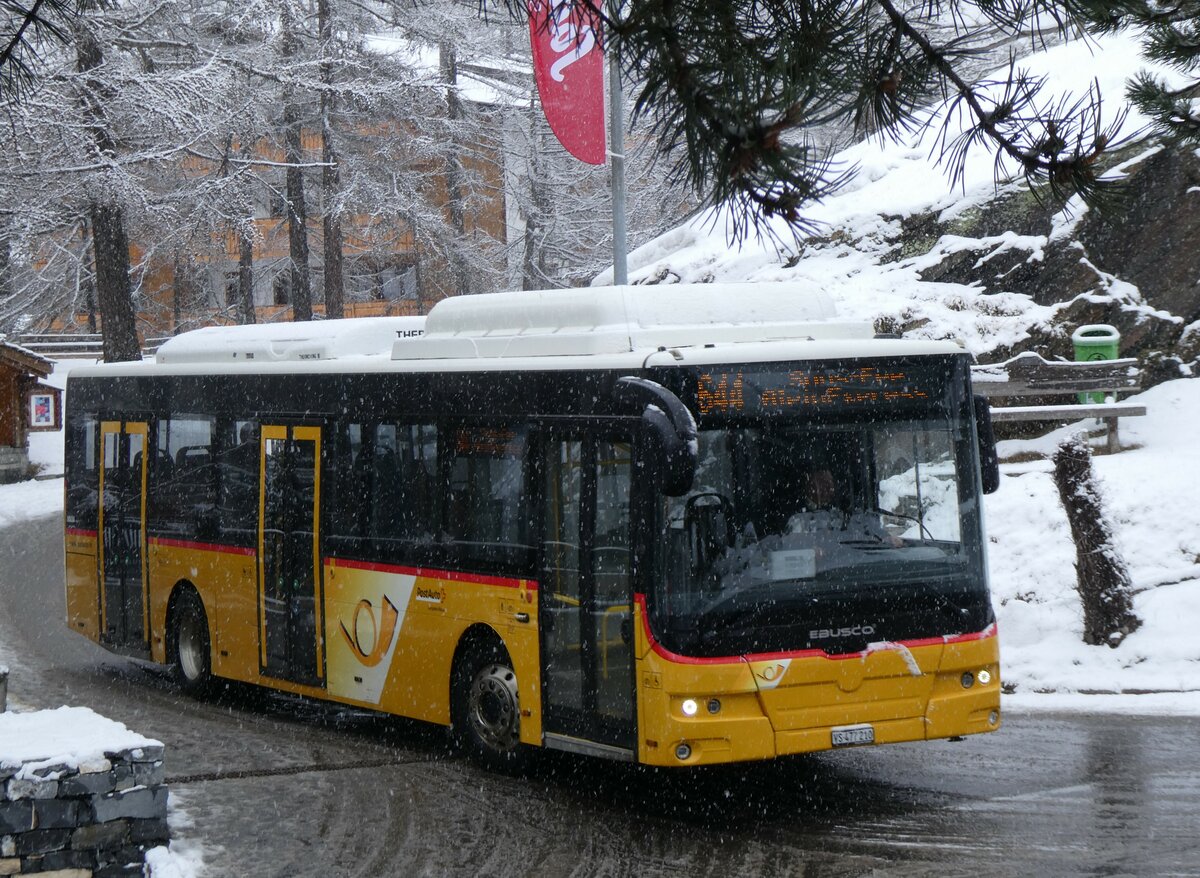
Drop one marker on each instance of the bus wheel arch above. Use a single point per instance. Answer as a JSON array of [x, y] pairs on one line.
[[189, 640], [485, 715]]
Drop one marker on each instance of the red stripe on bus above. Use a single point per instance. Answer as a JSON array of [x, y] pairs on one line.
[[202, 547], [452, 575], [989, 631], [80, 532]]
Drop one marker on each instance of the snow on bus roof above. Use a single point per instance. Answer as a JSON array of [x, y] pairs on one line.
[[612, 320], [273, 342]]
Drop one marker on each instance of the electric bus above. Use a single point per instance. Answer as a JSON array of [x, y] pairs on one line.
[[678, 525]]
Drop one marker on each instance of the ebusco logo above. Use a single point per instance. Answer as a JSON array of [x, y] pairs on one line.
[[370, 634], [830, 633]]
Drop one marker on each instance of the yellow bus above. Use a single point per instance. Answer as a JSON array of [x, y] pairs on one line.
[[673, 525]]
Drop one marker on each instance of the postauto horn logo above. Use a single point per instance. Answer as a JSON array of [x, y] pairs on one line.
[[370, 635]]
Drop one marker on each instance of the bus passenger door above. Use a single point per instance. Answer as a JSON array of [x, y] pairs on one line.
[[586, 591], [122, 528], [289, 572]]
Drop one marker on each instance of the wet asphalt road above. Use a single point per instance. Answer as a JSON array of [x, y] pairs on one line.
[[278, 787]]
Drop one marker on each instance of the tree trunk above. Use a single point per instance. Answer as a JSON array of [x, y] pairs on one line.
[[455, 201], [110, 244], [177, 294], [117, 319], [89, 298], [533, 255], [1101, 576], [246, 313], [529, 273], [331, 178], [6, 287], [297, 218]]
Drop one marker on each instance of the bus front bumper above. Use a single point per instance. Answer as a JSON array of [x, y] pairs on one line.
[[712, 713]]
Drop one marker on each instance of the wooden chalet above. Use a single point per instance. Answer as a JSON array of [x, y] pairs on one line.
[[26, 404]]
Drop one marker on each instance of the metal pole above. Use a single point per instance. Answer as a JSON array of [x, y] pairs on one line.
[[616, 151]]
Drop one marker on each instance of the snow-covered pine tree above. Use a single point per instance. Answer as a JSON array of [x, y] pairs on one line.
[[1170, 34], [735, 90]]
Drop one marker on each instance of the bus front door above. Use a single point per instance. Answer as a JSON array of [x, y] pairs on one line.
[[122, 528], [289, 572], [586, 592]]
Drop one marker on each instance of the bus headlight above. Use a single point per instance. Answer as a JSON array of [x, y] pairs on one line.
[[689, 707], [984, 677]]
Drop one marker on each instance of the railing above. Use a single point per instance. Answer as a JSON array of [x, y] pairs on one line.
[[1028, 375], [64, 345]]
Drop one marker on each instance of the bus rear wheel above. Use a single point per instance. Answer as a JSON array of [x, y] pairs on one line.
[[191, 651], [486, 709]]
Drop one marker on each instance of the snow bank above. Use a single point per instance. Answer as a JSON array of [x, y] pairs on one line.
[[1149, 493], [73, 737], [24, 500], [177, 861]]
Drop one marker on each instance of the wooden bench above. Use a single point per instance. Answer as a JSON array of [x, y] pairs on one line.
[[1028, 375]]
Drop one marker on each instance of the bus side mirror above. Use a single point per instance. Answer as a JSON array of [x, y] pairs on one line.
[[989, 460], [670, 433]]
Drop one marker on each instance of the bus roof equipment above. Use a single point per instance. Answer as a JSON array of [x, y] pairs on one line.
[[615, 320]]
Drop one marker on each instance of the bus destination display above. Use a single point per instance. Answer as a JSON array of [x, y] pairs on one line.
[[813, 386]]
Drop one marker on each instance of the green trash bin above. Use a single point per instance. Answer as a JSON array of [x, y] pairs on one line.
[[1096, 341]]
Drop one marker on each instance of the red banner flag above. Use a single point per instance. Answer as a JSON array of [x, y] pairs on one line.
[[568, 66]]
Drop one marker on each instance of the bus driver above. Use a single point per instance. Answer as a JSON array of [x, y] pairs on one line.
[[830, 521]]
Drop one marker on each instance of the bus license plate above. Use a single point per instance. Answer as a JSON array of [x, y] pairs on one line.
[[848, 736]]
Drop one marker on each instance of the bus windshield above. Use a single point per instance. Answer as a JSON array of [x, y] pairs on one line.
[[793, 529]]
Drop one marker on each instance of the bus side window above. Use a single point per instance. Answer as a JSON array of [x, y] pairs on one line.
[[349, 482], [486, 508], [83, 474], [182, 484], [383, 484], [237, 478], [404, 471]]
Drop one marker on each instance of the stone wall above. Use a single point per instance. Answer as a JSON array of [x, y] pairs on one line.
[[93, 820]]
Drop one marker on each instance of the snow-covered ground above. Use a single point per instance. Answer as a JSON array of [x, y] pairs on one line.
[[1149, 489]]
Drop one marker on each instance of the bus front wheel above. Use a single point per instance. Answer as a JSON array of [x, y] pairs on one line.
[[486, 710], [190, 648]]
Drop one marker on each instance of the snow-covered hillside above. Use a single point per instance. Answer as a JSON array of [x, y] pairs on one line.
[[873, 271]]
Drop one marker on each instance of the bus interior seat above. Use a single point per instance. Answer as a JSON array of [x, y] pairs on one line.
[[192, 457]]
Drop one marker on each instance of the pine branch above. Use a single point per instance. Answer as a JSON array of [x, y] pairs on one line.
[[26, 30]]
